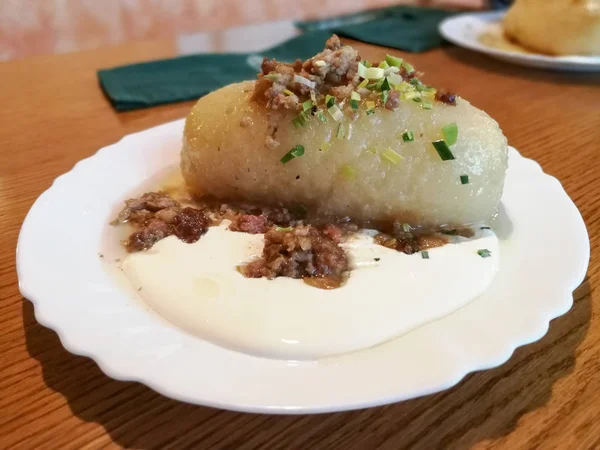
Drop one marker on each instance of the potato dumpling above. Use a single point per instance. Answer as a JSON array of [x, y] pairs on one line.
[[556, 27], [370, 159]]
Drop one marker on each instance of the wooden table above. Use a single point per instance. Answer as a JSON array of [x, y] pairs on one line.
[[547, 396]]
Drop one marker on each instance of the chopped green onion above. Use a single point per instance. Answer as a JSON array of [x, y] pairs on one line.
[[406, 227], [417, 84], [336, 113], [366, 63], [362, 84], [355, 95], [288, 92], [283, 229], [485, 228], [393, 60], [308, 104], [354, 104], [408, 67], [271, 76], [392, 156], [348, 172], [341, 131], [329, 100], [450, 133], [411, 95], [371, 73], [319, 63], [370, 104], [385, 85], [384, 96], [408, 136], [417, 100], [430, 94], [427, 105], [372, 149], [484, 253], [405, 86], [425, 254], [305, 81], [300, 120], [394, 79], [443, 150], [370, 111], [297, 151], [321, 116], [383, 65], [313, 96], [324, 146], [464, 179]]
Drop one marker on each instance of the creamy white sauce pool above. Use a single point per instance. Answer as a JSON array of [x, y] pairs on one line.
[[197, 287]]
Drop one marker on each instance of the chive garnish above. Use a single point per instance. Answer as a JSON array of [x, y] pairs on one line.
[[300, 120], [443, 150], [366, 63], [485, 228], [297, 151], [427, 105], [417, 100], [393, 60], [450, 133], [392, 156], [384, 96], [308, 104], [425, 254], [348, 172], [354, 104], [370, 111], [282, 229], [484, 253], [408, 136], [321, 116], [408, 67], [330, 101], [385, 85], [464, 179]]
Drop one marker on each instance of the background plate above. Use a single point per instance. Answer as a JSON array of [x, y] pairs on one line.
[[466, 30]]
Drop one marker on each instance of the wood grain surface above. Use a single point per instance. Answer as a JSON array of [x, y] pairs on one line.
[[546, 396]]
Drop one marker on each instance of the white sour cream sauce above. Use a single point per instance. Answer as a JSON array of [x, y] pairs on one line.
[[197, 287]]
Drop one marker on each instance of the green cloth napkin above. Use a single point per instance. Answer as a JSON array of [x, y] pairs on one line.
[[189, 77], [404, 27]]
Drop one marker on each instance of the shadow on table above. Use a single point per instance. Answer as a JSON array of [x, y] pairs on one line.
[[484, 406], [491, 65]]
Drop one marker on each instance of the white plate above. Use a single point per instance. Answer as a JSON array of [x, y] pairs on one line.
[[466, 30], [74, 294]]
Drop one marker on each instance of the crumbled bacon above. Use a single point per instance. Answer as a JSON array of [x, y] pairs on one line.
[[248, 223], [302, 252], [446, 97]]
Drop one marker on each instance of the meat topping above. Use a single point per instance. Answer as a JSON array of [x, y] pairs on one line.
[[190, 224], [149, 234], [302, 252], [141, 209], [446, 97], [247, 223], [154, 216]]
